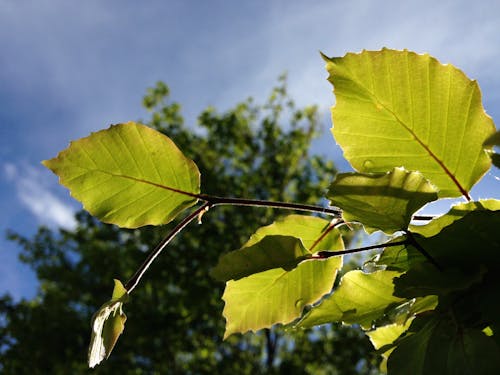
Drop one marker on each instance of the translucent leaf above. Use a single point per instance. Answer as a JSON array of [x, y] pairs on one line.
[[279, 295], [129, 175], [107, 325], [383, 337], [381, 201], [360, 298], [309, 229], [399, 108], [282, 244], [276, 296], [271, 252]]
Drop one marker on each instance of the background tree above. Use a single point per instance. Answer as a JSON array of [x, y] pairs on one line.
[[176, 326]]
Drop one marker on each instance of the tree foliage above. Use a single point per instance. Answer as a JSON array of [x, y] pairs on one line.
[[174, 323]]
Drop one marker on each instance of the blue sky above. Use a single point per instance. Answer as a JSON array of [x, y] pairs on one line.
[[71, 67]]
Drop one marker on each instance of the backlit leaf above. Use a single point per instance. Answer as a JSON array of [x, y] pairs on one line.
[[282, 244], [276, 296], [399, 108], [360, 298], [381, 201], [108, 324], [279, 295], [271, 252], [129, 175]]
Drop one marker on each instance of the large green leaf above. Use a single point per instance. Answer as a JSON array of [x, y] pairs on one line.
[[360, 298], [108, 324], [278, 295], [282, 244], [129, 175], [381, 201], [399, 108]]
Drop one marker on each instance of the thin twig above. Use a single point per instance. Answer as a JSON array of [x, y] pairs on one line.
[[134, 280], [414, 243], [223, 201], [331, 226], [328, 254]]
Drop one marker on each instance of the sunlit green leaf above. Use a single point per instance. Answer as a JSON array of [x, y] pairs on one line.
[[276, 296], [381, 201], [360, 298], [108, 324], [311, 230], [282, 244], [271, 252], [384, 336], [129, 175], [279, 295], [399, 108]]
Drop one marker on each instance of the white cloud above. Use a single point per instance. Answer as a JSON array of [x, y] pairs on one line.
[[34, 194]]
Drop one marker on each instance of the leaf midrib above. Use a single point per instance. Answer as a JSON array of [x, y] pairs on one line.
[[441, 164]]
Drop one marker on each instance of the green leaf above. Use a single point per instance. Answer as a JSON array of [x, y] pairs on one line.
[[279, 295], [283, 244], [308, 228], [457, 212], [108, 324], [424, 279], [271, 252], [399, 108], [381, 201], [465, 246], [438, 347], [129, 175], [276, 296], [468, 243], [360, 298], [383, 337]]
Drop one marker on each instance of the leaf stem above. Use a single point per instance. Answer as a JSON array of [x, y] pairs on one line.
[[414, 243], [212, 201], [328, 254], [134, 280], [223, 201]]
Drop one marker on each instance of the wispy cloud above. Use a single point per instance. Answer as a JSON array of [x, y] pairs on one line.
[[34, 193]]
